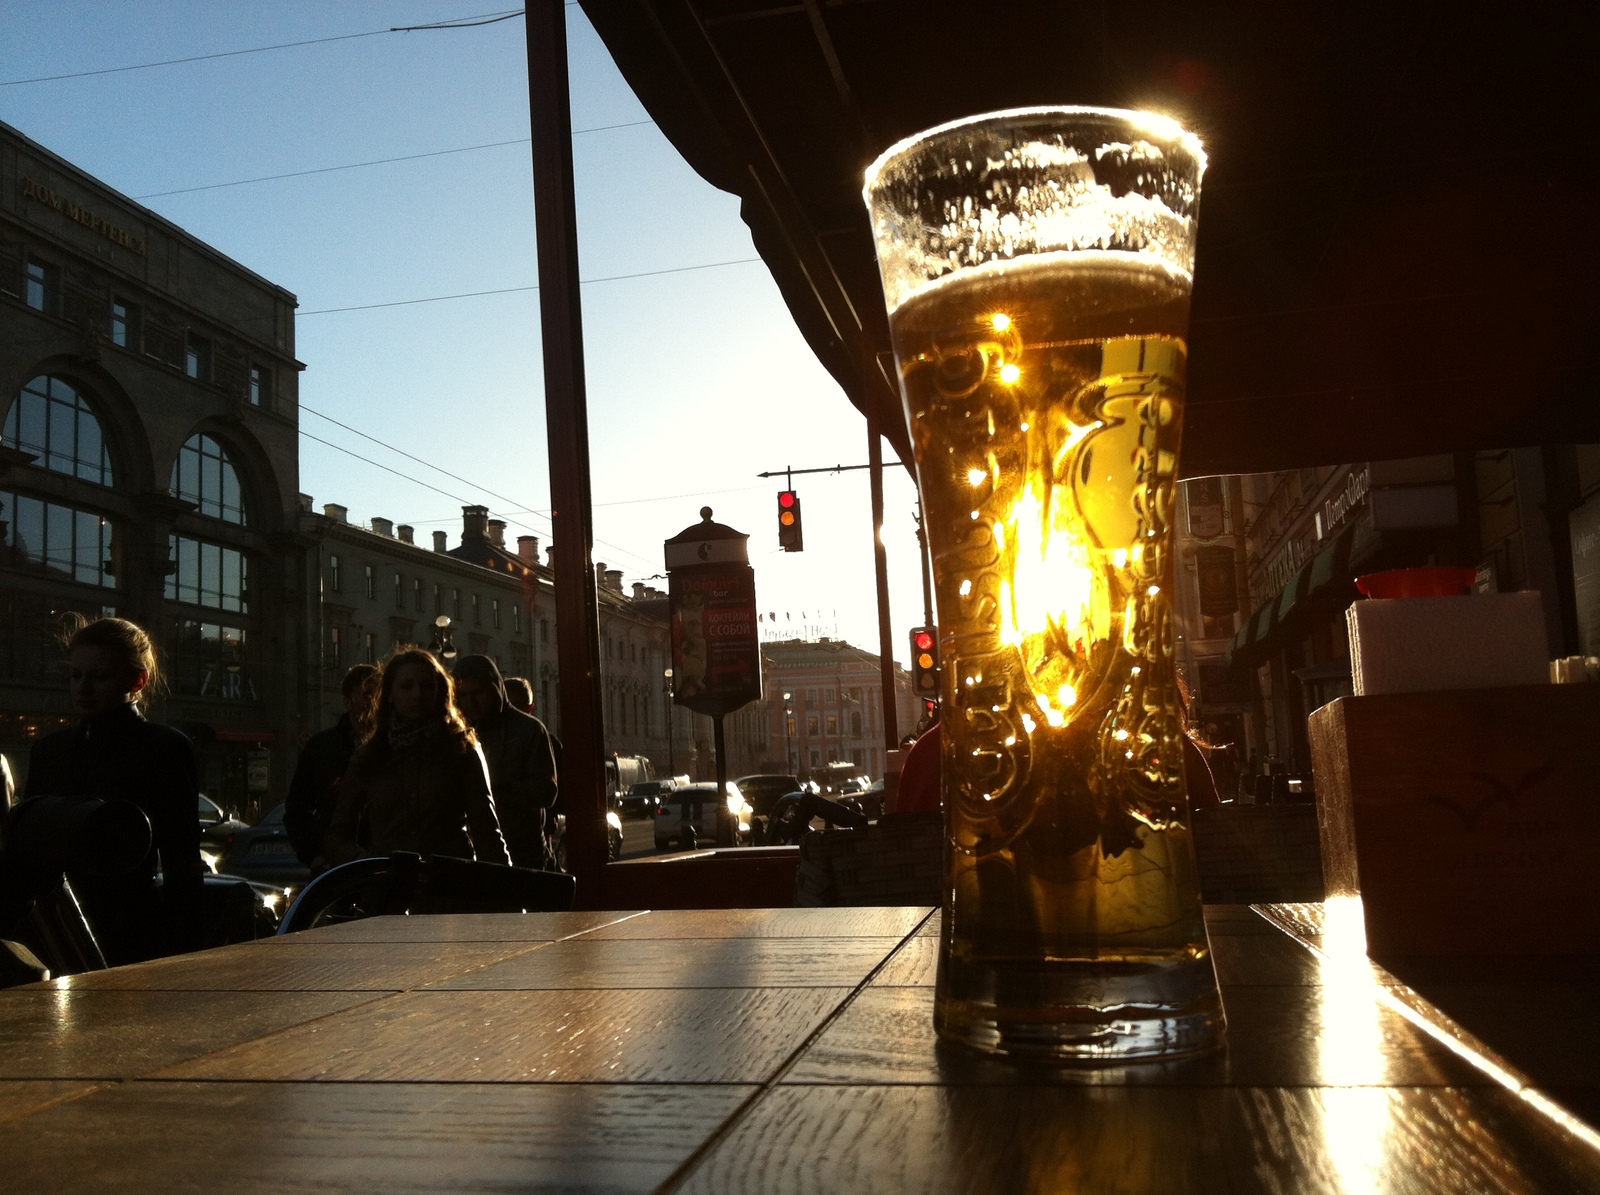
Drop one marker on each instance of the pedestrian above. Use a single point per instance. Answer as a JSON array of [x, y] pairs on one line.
[[113, 753], [314, 788], [419, 775], [522, 765], [519, 694]]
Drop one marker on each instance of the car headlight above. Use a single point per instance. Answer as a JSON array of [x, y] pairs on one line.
[[734, 801], [613, 821]]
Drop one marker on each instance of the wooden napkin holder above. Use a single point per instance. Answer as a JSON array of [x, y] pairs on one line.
[[1468, 821]]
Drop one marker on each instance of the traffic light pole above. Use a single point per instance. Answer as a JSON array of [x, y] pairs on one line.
[[880, 564]]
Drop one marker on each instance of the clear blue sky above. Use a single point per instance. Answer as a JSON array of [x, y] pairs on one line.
[[697, 380]]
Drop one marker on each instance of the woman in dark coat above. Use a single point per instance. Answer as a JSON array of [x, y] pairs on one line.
[[419, 777], [113, 753]]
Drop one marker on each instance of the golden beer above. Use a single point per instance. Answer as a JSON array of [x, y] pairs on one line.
[[1044, 394]]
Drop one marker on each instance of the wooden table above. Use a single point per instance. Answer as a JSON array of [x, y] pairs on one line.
[[732, 1050]]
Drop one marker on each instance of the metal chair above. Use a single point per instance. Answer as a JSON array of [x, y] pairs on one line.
[[407, 883]]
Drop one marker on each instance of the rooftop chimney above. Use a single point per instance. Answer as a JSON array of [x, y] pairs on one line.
[[440, 541], [528, 550], [497, 532], [474, 522], [600, 574], [638, 591], [550, 558], [407, 533], [305, 504], [383, 527], [614, 580], [337, 513]]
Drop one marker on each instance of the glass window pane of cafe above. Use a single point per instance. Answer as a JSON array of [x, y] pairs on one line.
[[63, 541], [204, 475], [56, 424]]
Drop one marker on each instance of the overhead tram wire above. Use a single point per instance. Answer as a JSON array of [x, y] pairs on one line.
[[545, 515], [462, 23], [509, 290], [437, 153]]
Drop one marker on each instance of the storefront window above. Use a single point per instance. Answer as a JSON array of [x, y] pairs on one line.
[[210, 660], [72, 544]]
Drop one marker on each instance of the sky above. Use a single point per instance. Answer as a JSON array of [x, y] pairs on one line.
[[697, 378]]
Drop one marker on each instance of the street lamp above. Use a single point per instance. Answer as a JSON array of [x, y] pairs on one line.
[[442, 645], [666, 687], [788, 733]]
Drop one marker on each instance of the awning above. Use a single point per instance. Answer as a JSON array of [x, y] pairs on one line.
[[1323, 204], [1322, 584]]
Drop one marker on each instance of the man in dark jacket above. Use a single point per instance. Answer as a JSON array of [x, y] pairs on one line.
[[522, 767], [313, 791]]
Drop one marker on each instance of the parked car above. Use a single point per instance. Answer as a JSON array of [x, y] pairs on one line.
[[263, 852], [558, 839], [689, 816], [644, 797], [217, 829]]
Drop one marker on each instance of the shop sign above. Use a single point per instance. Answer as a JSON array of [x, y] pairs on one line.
[[1282, 568], [1218, 581], [716, 656], [1337, 509], [114, 233], [1203, 496], [257, 770]]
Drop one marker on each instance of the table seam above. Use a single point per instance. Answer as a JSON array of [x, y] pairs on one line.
[[681, 1173]]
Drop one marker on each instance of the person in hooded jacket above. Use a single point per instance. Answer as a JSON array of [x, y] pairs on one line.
[[419, 775], [314, 789], [112, 754], [522, 765]]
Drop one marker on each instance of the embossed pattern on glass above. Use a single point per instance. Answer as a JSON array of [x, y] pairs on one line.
[[1037, 267]]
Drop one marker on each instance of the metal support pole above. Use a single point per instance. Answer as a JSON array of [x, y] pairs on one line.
[[927, 568], [880, 564], [566, 414], [724, 821]]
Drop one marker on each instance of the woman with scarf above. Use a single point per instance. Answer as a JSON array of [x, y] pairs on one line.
[[419, 776], [112, 754]]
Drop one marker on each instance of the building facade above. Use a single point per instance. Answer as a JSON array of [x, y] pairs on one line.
[[1523, 519], [824, 704], [148, 468]]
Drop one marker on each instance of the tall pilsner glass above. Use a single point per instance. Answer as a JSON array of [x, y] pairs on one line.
[[1037, 266]]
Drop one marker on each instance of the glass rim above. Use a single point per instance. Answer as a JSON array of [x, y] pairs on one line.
[[1154, 123]]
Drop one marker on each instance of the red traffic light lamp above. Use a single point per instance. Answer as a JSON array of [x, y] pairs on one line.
[[790, 536], [925, 663]]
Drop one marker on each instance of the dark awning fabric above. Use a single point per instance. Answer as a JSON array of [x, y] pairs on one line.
[[1380, 173]]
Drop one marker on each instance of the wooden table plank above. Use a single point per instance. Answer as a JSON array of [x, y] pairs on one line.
[[769, 923], [584, 963], [310, 966], [461, 927], [392, 1137], [114, 1034], [680, 1036], [18, 1097], [1277, 1036], [1143, 1141]]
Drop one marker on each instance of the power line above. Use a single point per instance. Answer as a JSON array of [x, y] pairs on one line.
[[437, 153], [288, 45], [462, 23], [420, 461], [509, 290]]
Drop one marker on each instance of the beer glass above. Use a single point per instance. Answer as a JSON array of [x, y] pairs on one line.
[[1036, 266]]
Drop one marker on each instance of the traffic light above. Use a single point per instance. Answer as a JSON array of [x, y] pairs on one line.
[[925, 664], [790, 538]]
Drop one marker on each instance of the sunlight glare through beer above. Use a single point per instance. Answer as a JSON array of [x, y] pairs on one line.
[[1350, 1050]]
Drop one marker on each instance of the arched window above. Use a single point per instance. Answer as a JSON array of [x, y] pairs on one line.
[[204, 475], [53, 421]]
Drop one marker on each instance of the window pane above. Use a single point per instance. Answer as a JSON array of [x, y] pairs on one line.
[[210, 573], [210, 485], [231, 504], [29, 533], [91, 452], [58, 537]]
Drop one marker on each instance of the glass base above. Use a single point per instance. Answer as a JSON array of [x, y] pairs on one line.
[[1083, 1011]]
